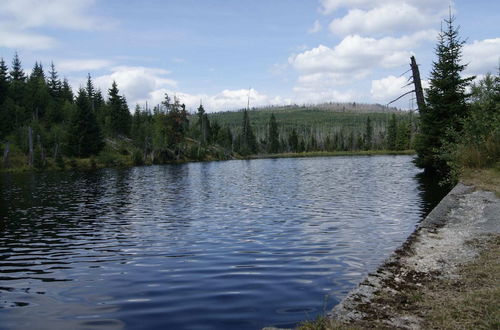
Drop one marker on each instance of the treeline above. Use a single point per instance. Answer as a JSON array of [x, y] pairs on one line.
[[44, 123], [295, 129]]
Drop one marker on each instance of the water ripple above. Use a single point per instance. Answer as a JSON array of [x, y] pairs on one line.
[[237, 244]]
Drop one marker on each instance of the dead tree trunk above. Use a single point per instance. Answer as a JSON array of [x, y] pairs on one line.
[[418, 84]]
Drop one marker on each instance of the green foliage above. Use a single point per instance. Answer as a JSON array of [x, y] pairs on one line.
[[85, 137], [392, 133], [273, 141], [117, 112], [446, 102]]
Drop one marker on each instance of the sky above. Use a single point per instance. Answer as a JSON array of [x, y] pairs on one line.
[[221, 52]]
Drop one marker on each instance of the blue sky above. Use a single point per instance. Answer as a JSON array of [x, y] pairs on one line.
[[286, 51]]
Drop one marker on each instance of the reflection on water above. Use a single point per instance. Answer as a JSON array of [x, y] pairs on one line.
[[221, 245]]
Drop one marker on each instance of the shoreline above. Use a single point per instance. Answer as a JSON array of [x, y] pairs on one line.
[[89, 164], [452, 236]]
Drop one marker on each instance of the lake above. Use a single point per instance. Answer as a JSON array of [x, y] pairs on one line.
[[215, 245]]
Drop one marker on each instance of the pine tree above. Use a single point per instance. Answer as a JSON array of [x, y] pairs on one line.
[[446, 107], [248, 141], [85, 137], [368, 138], [118, 111], [273, 141], [53, 82], [293, 140], [67, 92], [4, 80], [392, 133], [17, 79], [38, 96]]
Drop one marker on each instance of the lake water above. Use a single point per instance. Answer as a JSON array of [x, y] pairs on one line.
[[216, 245]]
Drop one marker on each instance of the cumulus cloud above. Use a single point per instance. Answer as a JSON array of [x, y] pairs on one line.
[[228, 99], [386, 89], [482, 56], [391, 18], [136, 82], [19, 17], [355, 57]]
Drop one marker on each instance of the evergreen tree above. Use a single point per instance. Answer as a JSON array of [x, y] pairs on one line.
[[248, 141], [119, 114], [4, 81], [203, 124], [446, 107], [403, 136], [368, 138], [392, 133], [38, 96], [293, 140], [273, 140], [17, 79], [53, 83], [90, 92], [85, 137], [66, 91]]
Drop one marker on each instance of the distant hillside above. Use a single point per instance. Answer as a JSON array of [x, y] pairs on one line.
[[320, 120]]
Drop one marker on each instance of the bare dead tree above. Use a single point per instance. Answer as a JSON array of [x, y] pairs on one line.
[[415, 80]]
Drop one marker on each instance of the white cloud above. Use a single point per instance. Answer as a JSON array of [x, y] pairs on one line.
[[54, 13], [386, 89], [390, 18], [15, 40], [355, 57], [83, 65], [225, 100], [431, 6], [19, 17], [316, 27], [137, 83], [482, 55]]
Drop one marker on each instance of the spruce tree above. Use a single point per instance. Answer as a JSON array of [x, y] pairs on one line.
[[66, 91], [85, 137], [392, 133], [274, 142], [38, 97], [293, 140], [17, 79], [53, 82], [4, 81], [442, 117], [119, 114], [368, 138], [248, 142]]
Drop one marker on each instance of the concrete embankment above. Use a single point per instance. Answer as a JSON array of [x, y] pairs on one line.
[[440, 245]]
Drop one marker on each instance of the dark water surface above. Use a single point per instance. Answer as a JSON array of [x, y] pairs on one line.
[[219, 245]]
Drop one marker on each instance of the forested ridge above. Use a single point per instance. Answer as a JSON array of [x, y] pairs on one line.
[[44, 123]]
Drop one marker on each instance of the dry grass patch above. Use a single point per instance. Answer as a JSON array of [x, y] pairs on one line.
[[486, 179]]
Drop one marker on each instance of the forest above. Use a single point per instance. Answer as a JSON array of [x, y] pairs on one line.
[[45, 124]]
